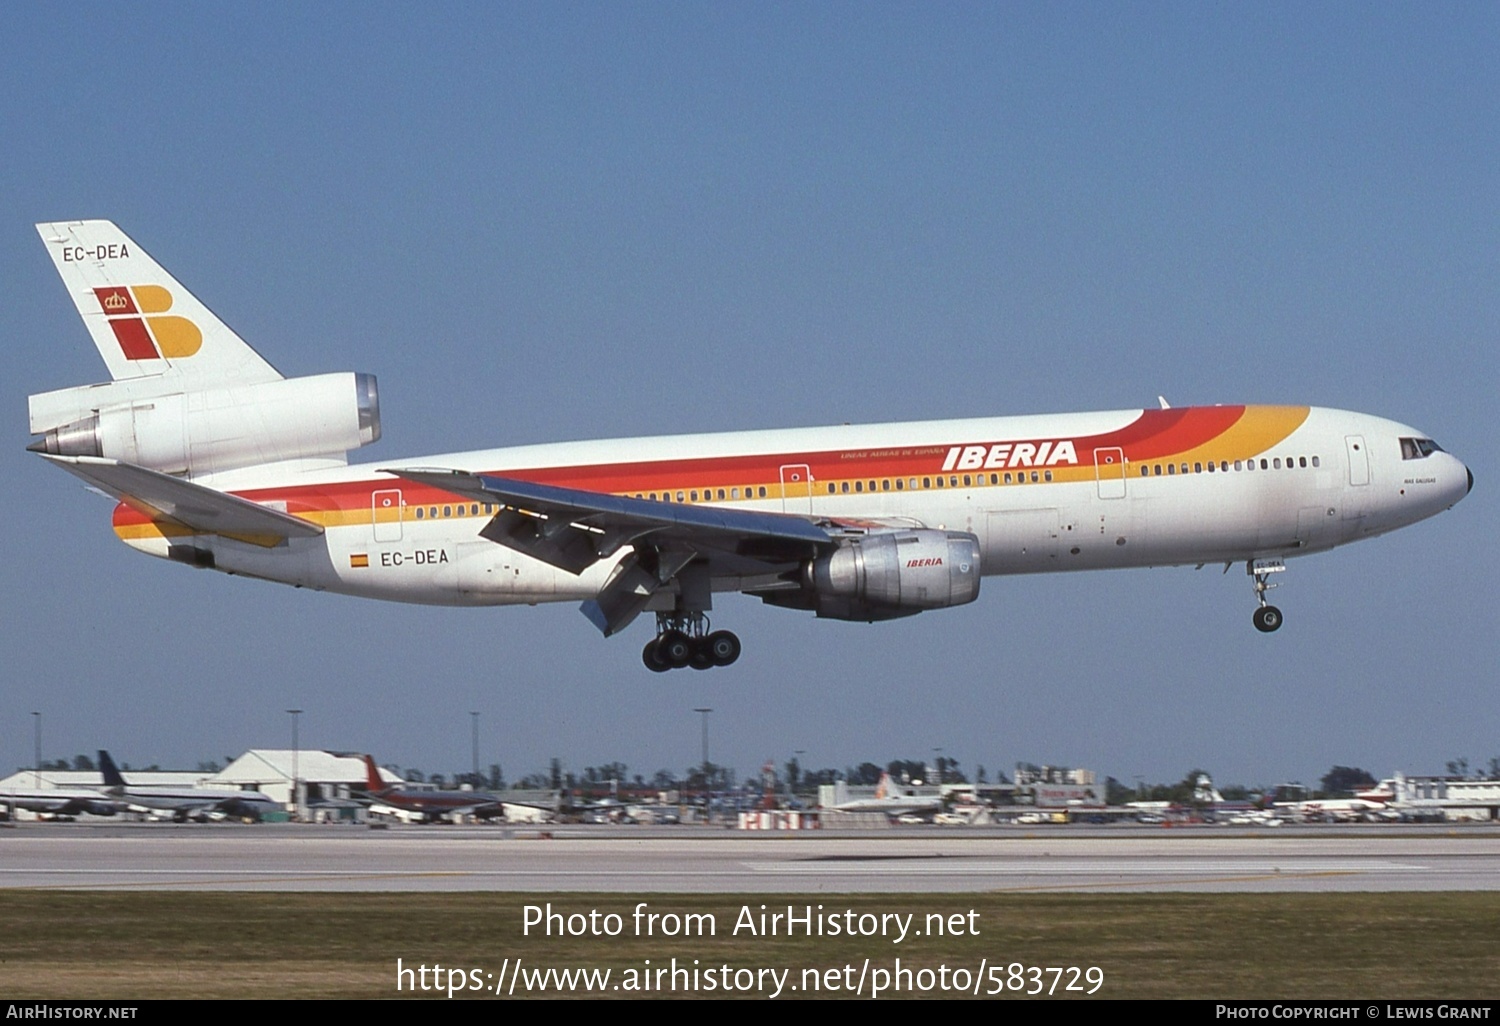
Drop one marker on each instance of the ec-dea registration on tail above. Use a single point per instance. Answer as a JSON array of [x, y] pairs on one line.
[[219, 461]]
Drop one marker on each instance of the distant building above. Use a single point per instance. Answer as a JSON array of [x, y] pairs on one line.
[[71, 780], [324, 779]]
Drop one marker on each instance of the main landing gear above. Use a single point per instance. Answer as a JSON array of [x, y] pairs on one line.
[[685, 640], [1267, 618]]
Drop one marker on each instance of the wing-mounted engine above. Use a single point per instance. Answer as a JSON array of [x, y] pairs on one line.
[[888, 575], [205, 431]]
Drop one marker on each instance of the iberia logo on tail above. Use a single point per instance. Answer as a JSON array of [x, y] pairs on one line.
[[147, 337]]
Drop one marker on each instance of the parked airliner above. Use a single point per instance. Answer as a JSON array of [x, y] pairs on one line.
[[218, 461]]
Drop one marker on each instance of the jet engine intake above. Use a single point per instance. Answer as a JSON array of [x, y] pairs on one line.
[[883, 576]]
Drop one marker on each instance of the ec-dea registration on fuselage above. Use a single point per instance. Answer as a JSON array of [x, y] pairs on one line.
[[219, 461]]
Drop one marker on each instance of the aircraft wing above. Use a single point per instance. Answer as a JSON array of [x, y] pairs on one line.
[[573, 529], [163, 497]]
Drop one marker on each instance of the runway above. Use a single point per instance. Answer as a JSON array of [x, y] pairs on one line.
[[641, 860]]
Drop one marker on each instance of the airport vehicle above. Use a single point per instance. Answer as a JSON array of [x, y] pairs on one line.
[[183, 804], [219, 462]]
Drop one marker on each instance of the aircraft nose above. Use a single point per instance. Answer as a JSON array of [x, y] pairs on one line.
[[1471, 481]]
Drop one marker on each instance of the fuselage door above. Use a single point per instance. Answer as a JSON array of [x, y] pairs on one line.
[[1359, 460], [385, 514], [1109, 465], [796, 488]]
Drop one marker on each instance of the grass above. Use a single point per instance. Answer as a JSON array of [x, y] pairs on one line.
[[293, 945]]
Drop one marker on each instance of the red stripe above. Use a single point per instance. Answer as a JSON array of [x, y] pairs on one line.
[[1154, 433]]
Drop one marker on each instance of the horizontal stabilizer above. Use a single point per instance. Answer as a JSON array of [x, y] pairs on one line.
[[162, 497]]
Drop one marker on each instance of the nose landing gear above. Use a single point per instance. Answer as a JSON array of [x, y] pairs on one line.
[[684, 639], [1267, 618]]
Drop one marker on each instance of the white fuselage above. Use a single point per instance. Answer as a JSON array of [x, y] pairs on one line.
[[1036, 498]]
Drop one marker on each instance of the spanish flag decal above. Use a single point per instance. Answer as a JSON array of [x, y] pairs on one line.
[[359, 559]]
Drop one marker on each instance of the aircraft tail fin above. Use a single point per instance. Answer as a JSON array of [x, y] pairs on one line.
[[143, 322], [112, 777], [373, 782]]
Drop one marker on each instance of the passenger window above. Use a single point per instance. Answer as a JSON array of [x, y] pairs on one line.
[[926, 482], [939, 482], [679, 496], [1048, 474], [1145, 470], [832, 488], [419, 512], [1197, 468], [1171, 468], [432, 512], [762, 491], [1302, 461], [1239, 465], [1211, 467], [899, 483], [859, 486], [968, 482], [1264, 464], [885, 485], [1033, 477], [734, 493], [1276, 463], [845, 487], [721, 495], [1315, 462]]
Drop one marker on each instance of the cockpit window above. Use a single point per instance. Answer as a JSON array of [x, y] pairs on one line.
[[1418, 448]]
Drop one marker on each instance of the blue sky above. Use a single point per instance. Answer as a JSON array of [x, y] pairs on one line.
[[543, 222]]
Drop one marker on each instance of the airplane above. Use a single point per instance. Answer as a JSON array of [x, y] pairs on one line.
[[889, 798], [59, 802], [426, 806], [183, 804], [218, 461]]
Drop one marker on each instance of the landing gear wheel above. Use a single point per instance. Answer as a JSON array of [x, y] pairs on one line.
[[652, 658], [702, 657], [1267, 619], [675, 649], [723, 647]]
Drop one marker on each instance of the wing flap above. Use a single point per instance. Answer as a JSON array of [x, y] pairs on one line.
[[206, 510]]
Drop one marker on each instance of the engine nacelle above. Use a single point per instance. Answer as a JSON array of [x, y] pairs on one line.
[[212, 430], [883, 576]]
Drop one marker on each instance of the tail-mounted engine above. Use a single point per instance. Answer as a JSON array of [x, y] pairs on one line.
[[211, 430]]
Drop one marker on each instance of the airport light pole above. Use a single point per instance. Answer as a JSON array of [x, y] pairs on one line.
[[474, 717], [937, 763], [296, 804], [36, 766]]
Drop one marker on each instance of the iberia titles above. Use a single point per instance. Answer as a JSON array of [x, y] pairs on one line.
[[1003, 455]]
